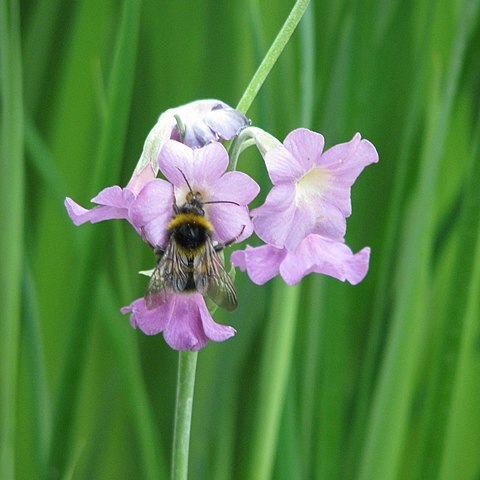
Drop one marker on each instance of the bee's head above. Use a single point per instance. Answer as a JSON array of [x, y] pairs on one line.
[[193, 203]]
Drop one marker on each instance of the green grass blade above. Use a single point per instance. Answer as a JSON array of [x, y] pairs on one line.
[[39, 42], [388, 253], [11, 226], [445, 369], [33, 345], [106, 171], [275, 363], [459, 457], [387, 427]]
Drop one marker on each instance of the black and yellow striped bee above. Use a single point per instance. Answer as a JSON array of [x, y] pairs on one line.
[[190, 262]]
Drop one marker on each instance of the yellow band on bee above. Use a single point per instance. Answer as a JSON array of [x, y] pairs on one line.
[[183, 218]]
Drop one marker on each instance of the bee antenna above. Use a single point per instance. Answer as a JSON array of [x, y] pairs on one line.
[[222, 201], [186, 181]]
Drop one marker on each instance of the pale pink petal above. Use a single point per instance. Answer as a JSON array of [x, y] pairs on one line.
[[347, 160], [272, 220], [228, 221], [235, 187], [282, 166], [150, 322], [320, 255], [137, 182], [306, 146], [261, 263], [114, 203], [303, 223], [114, 197], [184, 330], [152, 210], [155, 199], [209, 163], [337, 196], [174, 159], [214, 331], [330, 223]]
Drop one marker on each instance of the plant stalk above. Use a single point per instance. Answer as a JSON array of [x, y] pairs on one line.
[[187, 364]]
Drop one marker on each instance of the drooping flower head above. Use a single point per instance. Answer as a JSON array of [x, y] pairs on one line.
[[204, 121]]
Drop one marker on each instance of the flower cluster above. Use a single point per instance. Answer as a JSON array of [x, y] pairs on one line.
[[199, 208]]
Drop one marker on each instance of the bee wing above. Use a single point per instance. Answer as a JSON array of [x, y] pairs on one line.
[[212, 279], [156, 294], [171, 274], [175, 269]]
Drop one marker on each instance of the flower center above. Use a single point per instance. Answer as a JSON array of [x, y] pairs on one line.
[[312, 185]]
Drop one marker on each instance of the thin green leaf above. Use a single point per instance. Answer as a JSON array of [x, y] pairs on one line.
[[107, 167], [11, 225]]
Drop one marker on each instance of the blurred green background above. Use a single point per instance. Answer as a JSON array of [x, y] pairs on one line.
[[323, 381]]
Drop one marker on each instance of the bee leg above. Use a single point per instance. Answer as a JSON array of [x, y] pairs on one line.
[[176, 208], [221, 246]]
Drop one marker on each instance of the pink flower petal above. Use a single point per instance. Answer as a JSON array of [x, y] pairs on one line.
[[114, 197], [137, 182], [152, 210], [228, 221], [184, 329], [347, 160], [320, 255], [282, 166], [272, 220], [175, 158], [113, 204], [261, 263], [184, 320], [209, 163], [306, 146], [302, 225], [149, 322], [235, 187], [331, 223], [213, 331]]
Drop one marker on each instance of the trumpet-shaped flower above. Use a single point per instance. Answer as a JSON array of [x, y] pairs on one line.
[[225, 195], [315, 254], [184, 320], [311, 189]]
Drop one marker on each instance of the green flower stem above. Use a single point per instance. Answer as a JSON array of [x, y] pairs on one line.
[[272, 55], [187, 364]]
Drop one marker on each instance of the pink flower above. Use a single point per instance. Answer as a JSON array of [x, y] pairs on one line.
[[315, 254], [204, 170], [311, 192], [184, 320]]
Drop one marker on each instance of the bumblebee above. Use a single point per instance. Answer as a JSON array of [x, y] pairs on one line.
[[190, 262]]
